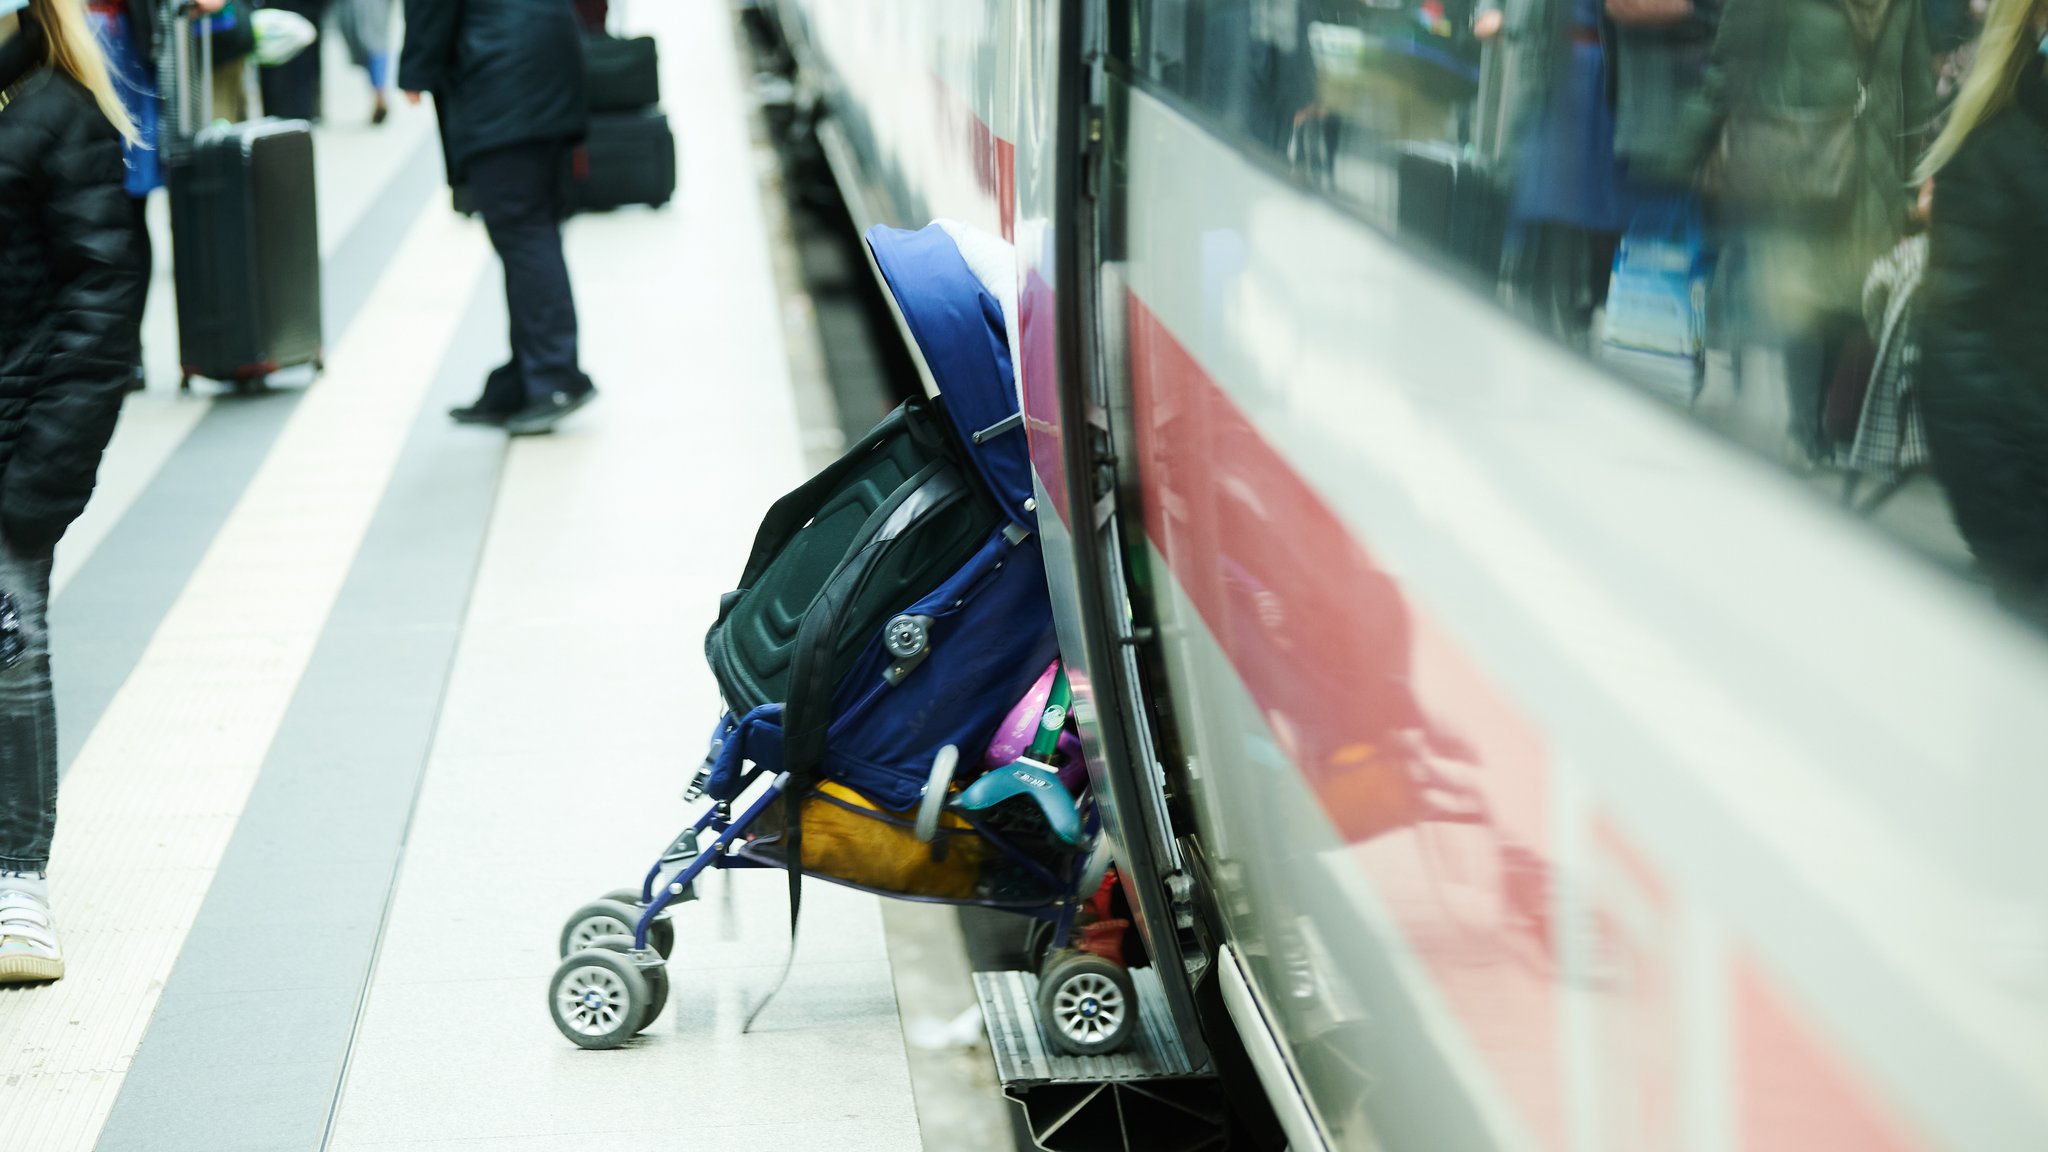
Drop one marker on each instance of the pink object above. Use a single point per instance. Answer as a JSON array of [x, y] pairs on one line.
[[1014, 735], [1073, 765]]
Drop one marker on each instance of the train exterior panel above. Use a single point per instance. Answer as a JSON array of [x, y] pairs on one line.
[[1562, 776]]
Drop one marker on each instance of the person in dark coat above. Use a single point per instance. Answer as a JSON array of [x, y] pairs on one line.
[[292, 89], [1984, 366], [507, 81], [71, 289]]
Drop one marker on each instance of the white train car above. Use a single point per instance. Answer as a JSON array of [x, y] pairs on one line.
[[1513, 747]]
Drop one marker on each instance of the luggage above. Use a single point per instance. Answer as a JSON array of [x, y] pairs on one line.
[[628, 158], [896, 603], [245, 238], [1655, 326], [849, 838], [621, 75], [1447, 201]]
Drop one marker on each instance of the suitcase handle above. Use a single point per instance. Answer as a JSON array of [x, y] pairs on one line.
[[181, 55]]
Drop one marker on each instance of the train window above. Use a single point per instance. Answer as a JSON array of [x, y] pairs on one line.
[[1814, 224]]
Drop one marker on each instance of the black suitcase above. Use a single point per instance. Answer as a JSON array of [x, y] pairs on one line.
[[1449, 203], [628, 158], [245, 245], [621, 75]]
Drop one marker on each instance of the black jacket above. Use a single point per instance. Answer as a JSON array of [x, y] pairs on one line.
[[501, 71], [1984, 378], [71, 292]]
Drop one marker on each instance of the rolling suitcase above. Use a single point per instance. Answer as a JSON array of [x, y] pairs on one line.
[[244, 236], [628, 158], [621, 75]]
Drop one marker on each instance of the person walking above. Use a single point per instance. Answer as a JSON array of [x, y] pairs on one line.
[[507, 82], [1983, 397], [71, 291], [366, 28]]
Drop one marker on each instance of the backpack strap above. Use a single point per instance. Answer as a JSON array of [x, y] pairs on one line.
[[800, 504], [807, 713]]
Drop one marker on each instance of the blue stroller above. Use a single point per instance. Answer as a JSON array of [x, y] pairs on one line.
[[890, 630]]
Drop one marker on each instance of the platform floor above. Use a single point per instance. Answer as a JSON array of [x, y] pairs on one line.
[[356, 705]]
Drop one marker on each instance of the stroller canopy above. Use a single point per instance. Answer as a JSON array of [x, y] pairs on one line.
[[960, 331]]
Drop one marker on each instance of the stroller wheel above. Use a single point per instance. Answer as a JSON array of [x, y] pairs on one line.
[[613, 917], [656, 977], [599, 998], [1088, 1004]]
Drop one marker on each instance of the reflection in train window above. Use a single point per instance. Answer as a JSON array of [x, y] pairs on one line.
[[1814, 224]]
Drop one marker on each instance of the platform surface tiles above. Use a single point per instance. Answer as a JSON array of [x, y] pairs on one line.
[[357, 705]]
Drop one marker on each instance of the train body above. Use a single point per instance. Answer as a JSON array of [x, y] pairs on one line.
[[1530, 762]]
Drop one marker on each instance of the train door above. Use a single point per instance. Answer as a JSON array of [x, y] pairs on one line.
[[1058, 169]]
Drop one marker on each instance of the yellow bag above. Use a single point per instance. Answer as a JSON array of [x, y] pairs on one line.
[[849, 837]]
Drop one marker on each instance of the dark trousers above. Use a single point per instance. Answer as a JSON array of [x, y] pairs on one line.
[[292, 89], [518, 192], [28, 715]]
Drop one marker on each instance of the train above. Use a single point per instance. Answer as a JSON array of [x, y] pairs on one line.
[[1508, 741]]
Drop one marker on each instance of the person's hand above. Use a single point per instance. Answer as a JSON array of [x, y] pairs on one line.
[[1487, 24], [209, 6], [412, 98]]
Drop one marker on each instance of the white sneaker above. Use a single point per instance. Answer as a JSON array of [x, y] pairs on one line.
[[28, 935]]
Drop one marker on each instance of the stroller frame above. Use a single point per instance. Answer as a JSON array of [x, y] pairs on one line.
[[729, 850]]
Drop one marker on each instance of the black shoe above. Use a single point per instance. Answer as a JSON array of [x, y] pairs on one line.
[[504, 395], [542, 415], [480, 413]]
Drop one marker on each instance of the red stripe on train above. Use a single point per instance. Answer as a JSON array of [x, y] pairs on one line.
[[1794, 1094], [1434, 778]]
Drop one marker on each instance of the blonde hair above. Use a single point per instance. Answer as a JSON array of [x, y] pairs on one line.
[[75, 51], [2004, 49]]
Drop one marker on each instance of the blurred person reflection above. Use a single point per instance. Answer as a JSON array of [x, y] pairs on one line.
[[507, 80], [71, 289], [1984, 397], [1816, 105], [1570, 204]]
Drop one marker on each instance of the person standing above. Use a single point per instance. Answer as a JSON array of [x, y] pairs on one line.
[[71, 291], [1982, 393], [292, 89], [1808, 211], [507, 82]]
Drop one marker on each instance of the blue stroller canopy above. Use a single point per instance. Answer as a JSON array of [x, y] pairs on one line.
[[960, 330]]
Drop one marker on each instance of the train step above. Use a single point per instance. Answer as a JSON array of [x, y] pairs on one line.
[[1148, 1096]]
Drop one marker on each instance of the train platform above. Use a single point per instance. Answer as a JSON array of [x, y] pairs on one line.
[[357, 704]]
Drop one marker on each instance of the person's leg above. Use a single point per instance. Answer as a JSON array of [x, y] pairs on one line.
[[139, 206], [28, 772], [517, 192], [379, 68]]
